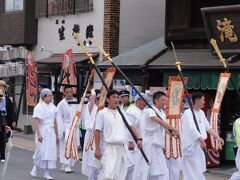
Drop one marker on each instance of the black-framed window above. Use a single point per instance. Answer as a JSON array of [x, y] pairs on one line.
[[12, 6], [41, 8], [46, 8]]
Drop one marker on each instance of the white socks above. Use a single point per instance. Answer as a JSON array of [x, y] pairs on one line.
[[34, 171]]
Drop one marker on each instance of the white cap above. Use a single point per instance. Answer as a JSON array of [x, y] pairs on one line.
[[138, 97]]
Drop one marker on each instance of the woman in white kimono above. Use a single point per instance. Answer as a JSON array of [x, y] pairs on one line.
[[45, 114]]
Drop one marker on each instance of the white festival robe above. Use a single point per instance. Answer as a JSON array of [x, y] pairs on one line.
[[113, 161], [153, 142], [66, 113], [45, 155], [134, 116], [194, 162], [88, 161]]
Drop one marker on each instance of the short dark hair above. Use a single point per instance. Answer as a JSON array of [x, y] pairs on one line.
[[97, 91], [157, 95], [112, 92], [67, 87], [196, 95]]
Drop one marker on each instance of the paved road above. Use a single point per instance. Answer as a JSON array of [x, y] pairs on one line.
[[20, 164]]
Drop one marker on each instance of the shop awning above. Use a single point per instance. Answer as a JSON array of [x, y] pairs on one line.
[[190, 59], [199, 65], [138, 57], [57, 58], [202, 79]]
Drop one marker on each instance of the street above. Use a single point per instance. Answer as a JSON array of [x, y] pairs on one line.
[[20, 164]]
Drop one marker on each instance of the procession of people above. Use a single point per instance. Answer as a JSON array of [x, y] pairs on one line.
[[110, 151], [125, 140]]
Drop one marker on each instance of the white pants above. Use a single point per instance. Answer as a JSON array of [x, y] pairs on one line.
[[157, 170], [194, 165], [88, 168], [236, 175], [173, 168], [113, 163]]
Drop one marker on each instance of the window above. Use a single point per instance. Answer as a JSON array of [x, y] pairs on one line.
[[41, 8], [10, 6], [62, 7], [83, 6]]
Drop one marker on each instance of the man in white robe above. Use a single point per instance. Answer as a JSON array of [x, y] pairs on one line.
[[66, 113], [134, 116], [153, 142], [109, 122], [45, 114], [193, 144], [88, 164]]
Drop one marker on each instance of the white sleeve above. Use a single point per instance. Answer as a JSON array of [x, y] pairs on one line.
[[190, 126], [207, 125], [60, 120], [130, 119], [100, 121], [37, 112], [150, 113]]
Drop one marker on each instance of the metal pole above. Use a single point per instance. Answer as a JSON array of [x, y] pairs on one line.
[[178, 64], [105, 85], [223, 61]]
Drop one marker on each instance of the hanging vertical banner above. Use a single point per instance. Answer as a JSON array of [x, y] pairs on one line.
[[108, 77], [173, 115], [71, 145], [68, 75], [221, 89], [31, 80]]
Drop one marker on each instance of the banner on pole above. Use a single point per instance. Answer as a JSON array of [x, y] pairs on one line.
[[31, 79]]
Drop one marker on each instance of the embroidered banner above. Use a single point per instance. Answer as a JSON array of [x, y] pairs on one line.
[[68, 75], [173, 115], [221, 89], [31, 80]]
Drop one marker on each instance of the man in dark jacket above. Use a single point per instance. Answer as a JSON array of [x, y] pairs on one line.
[[7, 117], [7, 107]]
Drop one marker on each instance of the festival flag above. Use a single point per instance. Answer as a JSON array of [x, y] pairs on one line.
[[108, 78], [173, 115], [221, 89], [68, 75], [31, 80]]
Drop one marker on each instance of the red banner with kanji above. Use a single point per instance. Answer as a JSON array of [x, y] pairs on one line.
[[31, 80]]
